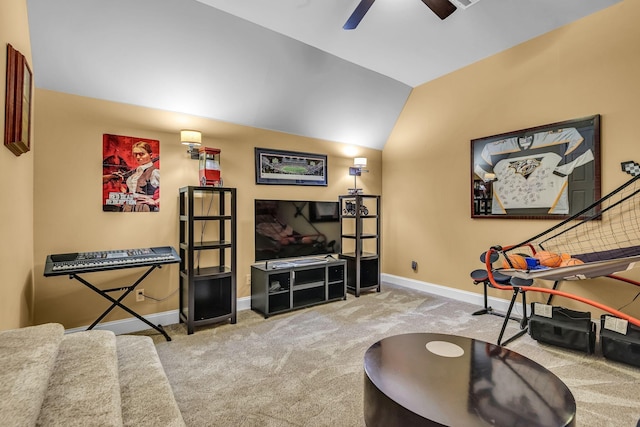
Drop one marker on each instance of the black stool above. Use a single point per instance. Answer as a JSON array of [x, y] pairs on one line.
[[517, 283], [493, 258], [481, 276]]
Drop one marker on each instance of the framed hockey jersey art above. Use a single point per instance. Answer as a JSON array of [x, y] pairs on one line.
[[544, 172]]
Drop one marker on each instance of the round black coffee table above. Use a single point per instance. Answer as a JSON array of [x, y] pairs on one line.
[[425, 379]]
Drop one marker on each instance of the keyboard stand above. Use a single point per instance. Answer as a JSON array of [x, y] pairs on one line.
[[118, 302]]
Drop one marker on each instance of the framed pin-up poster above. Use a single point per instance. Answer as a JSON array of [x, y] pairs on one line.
[[544, 172], [130, 174]]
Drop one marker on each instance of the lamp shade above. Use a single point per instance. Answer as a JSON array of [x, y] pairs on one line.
[[190, 137], [360, 162]]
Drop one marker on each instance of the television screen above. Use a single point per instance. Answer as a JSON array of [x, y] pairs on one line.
[[295, 228]]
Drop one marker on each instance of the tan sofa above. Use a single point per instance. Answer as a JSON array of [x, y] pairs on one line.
[[91, 378]]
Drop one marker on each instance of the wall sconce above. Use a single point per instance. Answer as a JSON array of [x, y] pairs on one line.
[[192, 138], [359, 165], [360, 162]]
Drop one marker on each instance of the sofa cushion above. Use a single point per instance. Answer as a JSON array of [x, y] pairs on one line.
[[84, 388], [144, 386], [28, 356]]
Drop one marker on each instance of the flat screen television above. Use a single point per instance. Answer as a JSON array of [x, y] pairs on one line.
[[296, 228]]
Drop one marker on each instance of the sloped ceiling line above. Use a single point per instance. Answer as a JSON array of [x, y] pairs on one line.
[[284, 65]]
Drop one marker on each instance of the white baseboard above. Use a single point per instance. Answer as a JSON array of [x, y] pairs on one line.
[[133, 324], [498, 304], [244, 303]]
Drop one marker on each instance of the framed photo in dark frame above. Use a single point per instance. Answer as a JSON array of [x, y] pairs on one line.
[[543, 172], [19, 88], [280, 167]]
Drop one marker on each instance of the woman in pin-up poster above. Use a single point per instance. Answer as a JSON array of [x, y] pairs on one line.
[[131, 189]]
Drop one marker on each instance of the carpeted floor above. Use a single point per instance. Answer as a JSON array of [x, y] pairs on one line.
[[305, 368]]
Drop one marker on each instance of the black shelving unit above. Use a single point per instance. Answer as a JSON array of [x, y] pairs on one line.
[[360, 241], [208, 255], [288, 284]]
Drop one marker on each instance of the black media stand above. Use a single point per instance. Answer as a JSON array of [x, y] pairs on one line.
[[282, 285]]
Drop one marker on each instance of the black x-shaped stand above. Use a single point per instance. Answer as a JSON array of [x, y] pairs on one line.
[[118, 302]]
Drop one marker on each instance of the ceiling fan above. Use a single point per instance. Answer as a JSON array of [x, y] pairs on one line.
[[442, 8]]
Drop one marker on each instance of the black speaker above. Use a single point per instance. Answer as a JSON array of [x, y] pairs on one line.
[[620, 341], [562, 327]]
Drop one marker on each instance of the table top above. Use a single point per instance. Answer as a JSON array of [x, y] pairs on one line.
[[454, 380]]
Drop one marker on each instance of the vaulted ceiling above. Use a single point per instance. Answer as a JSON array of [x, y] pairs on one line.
[[285, 65]]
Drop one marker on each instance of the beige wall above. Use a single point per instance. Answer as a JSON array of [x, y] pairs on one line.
[[68, 188], [16, 191], [589, 67]]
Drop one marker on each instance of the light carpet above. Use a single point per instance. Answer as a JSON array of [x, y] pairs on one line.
[[305, 368]]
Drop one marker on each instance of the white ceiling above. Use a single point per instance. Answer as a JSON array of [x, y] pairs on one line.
[[285, 65], [403, 39]]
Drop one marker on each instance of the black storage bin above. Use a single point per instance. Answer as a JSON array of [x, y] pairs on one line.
[[620, 347], [566, 328]]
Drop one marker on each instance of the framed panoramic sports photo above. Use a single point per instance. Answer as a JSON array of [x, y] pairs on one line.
[[290, 167]]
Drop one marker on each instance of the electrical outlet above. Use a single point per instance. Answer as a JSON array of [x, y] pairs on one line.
[[248, 279], [139, 295], [414, 265]]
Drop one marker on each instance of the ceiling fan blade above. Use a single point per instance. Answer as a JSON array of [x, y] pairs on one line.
[[358, 14], [442, 8]]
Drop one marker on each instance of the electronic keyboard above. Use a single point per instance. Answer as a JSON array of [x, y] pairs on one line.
[[85, 262]]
